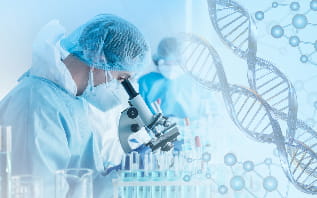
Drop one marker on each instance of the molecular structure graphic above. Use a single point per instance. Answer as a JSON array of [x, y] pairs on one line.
[[204, 159], [293, 30], [238, 182], [234, 26], [240, 179]]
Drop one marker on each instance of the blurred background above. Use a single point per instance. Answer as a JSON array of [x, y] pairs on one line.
[[21, 20]]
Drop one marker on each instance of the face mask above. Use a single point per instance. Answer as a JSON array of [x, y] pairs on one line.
[[104, 96], [171, 71]]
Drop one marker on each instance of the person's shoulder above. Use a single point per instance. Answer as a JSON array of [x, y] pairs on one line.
[[150, 77], [43, 88], [35, 92], [27, 99]]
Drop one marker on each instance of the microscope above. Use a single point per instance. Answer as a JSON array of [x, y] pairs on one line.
[[162, 131]]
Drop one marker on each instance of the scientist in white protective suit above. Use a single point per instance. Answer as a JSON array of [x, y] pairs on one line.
[[49, 108]]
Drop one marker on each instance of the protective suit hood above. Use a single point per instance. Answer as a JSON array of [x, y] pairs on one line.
[[47, 55]]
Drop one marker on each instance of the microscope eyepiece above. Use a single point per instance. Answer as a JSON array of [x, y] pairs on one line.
[[129, 88]]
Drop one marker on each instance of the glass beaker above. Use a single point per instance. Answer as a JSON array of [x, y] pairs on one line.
[[26, 186], [5, 161], [74, 183]]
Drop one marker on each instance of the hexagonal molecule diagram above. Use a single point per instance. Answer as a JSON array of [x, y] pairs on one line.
[[234, 178], [298, 28]]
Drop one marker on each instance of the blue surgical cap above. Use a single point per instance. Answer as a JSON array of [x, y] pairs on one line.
[[110, 43], [169, 49]]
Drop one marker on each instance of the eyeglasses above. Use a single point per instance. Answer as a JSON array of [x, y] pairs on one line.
[[109, 76]]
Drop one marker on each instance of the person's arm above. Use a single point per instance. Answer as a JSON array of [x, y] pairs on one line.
[[40, 146], [47, 144], [148, 92]]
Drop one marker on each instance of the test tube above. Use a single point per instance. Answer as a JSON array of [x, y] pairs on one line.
[[155, 175], [178, 167], [188, 159], [143, 175], [5, 161], [147, 165], [163, 165], [126, 176], [198, 168], [172, 170], [135, 171], [206, 157]]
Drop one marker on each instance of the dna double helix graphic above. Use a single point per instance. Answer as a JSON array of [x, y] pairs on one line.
[[266, 110]]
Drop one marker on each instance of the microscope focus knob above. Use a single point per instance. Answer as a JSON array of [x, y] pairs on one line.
[[132, 113], [135, 128]]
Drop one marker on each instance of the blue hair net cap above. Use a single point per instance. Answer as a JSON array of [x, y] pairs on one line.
[[110, 43], [169, 49]]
